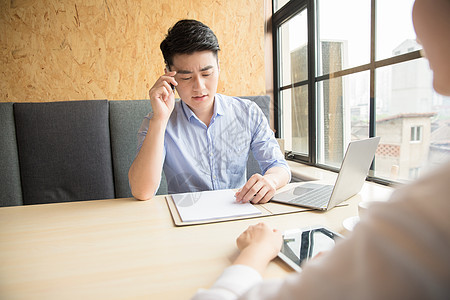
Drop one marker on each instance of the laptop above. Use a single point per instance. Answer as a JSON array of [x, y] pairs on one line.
[[351, 177]]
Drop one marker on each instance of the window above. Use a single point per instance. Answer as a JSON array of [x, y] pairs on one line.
[[416, 133], [350, 69], [279, 4], [293, 73], [414, 173]]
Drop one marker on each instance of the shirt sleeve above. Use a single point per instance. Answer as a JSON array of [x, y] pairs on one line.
[[264, 146], [233, 283]]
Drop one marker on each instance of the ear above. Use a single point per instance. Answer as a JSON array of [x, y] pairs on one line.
[[218, 65], [167, 69]]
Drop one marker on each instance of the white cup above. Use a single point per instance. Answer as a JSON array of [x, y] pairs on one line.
[[363, 206]]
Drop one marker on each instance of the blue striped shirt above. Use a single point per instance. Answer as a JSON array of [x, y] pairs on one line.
[[214, 157]]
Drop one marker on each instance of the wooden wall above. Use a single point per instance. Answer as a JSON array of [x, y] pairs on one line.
[[109, 49]]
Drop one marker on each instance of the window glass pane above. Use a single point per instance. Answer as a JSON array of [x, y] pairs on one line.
[[277, 4], [343, 115], [343, 34], [416, 134], [395, 32], [412, 120], [293, 49], [295, 119], [413, 133]]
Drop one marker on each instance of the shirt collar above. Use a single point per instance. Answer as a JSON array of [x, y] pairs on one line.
[[219, 108], [187, 111]]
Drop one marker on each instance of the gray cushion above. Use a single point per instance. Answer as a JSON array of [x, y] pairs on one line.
[[64, 151], [11, 192], [264, 103], [125, 119]]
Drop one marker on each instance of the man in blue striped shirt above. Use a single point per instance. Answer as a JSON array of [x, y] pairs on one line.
[[202, 141]]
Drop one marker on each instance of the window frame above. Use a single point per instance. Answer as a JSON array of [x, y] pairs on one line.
[[416, 134], [283, 15]]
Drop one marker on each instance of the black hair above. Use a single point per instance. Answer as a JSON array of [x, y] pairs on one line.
[[187, 37]]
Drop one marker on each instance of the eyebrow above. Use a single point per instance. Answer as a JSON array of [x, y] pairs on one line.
[[190, 72]]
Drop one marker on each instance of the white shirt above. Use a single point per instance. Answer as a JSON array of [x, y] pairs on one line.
[[399, 250]]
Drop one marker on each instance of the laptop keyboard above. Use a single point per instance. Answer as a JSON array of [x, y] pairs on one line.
[[315, 198]]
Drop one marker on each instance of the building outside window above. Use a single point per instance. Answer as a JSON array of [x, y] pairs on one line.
[[350, 69]]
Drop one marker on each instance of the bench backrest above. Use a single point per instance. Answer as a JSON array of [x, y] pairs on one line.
[[74, 150], [10, 186], [64, 151]]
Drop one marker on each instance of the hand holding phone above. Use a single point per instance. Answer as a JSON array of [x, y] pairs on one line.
[[162, 96]]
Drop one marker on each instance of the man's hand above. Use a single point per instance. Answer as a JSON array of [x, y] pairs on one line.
[[258, 189], [162, 97]]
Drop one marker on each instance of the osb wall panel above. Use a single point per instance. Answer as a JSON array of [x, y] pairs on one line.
[[109, 49]]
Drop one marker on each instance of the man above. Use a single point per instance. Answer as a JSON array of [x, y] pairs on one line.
[[203, 140], [400, 250]]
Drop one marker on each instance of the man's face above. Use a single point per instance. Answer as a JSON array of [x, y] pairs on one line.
[[197, 77]]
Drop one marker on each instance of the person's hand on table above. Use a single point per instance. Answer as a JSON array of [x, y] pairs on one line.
[[261, 236], [258, 189], [259, 244]]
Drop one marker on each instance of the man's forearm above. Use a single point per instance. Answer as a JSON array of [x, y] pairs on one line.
[[145, 172], [279, 176]]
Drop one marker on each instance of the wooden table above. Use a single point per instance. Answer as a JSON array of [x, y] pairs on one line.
[[129, 249]]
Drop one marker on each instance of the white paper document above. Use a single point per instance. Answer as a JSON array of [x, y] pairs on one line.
[[209, 205]]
